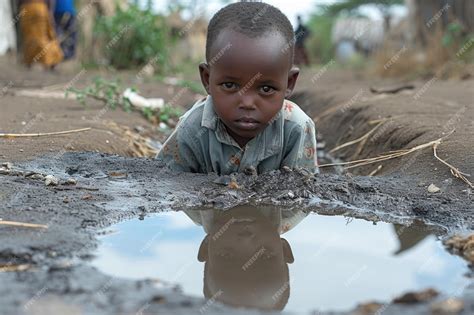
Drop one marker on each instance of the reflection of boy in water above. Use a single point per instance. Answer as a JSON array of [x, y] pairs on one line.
[[245, 258]]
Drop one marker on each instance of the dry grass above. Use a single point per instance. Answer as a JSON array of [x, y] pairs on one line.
[[400, 153], [14, 268], [435, 59], [455, 171], [138, 145], [362, 139], [393, 62]]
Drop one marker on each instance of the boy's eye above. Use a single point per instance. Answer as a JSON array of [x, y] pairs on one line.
[[266, 89], [229, 86]]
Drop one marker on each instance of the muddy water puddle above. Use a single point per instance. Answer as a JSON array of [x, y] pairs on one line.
[[272, 259]]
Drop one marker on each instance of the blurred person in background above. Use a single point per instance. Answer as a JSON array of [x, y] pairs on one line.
[[66, 29], [40, 44], [301, 34]]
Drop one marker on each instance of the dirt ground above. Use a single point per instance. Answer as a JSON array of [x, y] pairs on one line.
[[58, 279], [32, 114]]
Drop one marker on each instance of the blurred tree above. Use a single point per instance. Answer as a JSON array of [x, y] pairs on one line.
[[352, 6]]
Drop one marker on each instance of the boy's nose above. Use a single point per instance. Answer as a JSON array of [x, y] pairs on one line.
[[247, 102]]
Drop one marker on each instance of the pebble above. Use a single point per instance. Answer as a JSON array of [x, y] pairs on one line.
[[51, 180], [7, 165], [71, 181], [432, 188]]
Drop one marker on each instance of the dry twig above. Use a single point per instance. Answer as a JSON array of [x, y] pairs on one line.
[[22, 224], [359, 139], [376, 170], [455, 171], [24, 135]]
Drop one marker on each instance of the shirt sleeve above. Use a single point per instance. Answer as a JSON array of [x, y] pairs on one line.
[[177, 152], [302, 148]]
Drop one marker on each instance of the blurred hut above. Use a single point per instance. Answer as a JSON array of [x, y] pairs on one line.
[[356, 35]]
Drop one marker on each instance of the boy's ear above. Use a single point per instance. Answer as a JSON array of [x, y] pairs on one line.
[[287, 252], [204, 72], [203, 253], [292, 77]]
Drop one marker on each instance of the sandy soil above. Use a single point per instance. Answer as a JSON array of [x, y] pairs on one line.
[[21, 114]]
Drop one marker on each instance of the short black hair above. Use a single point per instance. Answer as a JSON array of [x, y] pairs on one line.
[[253, 19]]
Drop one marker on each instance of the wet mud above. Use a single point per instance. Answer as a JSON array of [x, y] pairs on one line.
[[58, 278]]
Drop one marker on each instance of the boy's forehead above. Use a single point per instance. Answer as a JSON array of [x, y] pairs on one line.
[[269, 49]]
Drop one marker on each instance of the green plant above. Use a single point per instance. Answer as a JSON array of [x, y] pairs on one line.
[[111, 94], [169, 112], [133, 37], [108, 92]]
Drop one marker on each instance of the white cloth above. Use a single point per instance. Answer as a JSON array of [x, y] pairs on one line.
[[7, 27]]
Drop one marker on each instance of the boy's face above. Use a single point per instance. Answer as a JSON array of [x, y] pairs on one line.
[[248, 79]]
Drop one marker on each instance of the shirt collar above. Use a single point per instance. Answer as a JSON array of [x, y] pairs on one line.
[[266, 144]]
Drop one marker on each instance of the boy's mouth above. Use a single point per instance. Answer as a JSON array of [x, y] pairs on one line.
[[247, 123]]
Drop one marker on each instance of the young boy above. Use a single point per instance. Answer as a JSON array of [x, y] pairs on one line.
[[245, 124]]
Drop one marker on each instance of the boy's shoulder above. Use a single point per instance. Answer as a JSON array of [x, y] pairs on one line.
[[192, 119], [293, 114]]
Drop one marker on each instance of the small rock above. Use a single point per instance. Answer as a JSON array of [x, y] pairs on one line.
[[4, 171], [369, 308], [291, 195], [468, 250], [250, 170], [21, 150], [451, 306], [7, 165], [71, 181], [162, 125], [87, 197], [51, 180], [456, 242], [432, 188], [233, 184], [37, 176], [416, 297], [286, 169]]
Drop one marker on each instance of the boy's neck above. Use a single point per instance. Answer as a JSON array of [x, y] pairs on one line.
[[241, 141]]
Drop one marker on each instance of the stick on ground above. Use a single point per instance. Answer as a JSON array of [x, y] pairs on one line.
[[455, 171], [24, 135], [22, 224]]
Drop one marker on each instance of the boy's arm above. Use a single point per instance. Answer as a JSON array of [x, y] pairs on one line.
[[302, 151], [177, 153]]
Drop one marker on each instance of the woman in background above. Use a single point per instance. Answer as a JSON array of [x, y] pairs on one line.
[[40, 44]]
